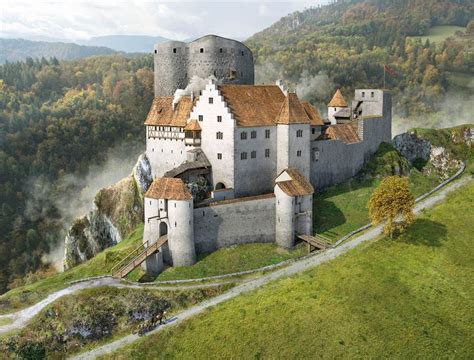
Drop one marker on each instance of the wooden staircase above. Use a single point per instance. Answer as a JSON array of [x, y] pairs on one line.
[[137, 256], [317, 242]]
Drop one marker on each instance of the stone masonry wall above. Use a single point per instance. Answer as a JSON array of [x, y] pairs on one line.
[[232, 223]]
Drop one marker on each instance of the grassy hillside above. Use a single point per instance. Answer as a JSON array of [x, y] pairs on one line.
[[20, 49], [402, 299], [99, 265], [439, 33]]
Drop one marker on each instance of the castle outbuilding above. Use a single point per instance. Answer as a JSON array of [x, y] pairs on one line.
[[239, 163]]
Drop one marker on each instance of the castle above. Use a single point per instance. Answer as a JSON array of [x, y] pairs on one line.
[[237, 162]]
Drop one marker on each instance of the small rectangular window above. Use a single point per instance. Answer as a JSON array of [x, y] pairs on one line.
[[211, 100], [219, 156], [200, 117], [298, 153], [313, 130], [219, 118], [363, 93], [299, 133], [201, 50], [220, 50], [253, 154], [372, 94], [219, 135], [267, 134], [243, 135], [243, 156], [253, 134], [267, 153], [174, 50]]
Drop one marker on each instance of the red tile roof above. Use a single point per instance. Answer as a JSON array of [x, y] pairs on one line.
[[168, 188]]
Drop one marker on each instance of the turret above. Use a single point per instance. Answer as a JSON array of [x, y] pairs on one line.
[[294, 207], [337, 103]]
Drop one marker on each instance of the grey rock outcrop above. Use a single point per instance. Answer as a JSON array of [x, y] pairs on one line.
[[412, 147], [442, 163], [142, 173], [117, 210]]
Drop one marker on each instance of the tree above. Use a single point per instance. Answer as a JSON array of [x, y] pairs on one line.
[[393, 204]]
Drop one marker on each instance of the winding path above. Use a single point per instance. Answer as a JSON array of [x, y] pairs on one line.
[[20, 318], [288, 271]]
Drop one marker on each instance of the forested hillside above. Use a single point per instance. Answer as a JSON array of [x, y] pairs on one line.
[[351, 40], [20, 49], [56, 119]]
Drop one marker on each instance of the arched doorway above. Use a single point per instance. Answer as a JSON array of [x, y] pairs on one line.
[[220, 186], [163, 229]]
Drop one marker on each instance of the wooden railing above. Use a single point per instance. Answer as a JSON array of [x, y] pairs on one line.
[[136, 257]]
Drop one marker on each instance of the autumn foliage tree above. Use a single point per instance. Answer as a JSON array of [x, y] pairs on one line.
[[392, 203]]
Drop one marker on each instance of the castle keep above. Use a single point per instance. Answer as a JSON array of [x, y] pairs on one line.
[[238, 163]]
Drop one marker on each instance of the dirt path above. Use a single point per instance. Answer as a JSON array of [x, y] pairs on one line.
[[288, 271], [20, 318]]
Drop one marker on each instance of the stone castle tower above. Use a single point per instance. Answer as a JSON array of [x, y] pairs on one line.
[[176, 62]]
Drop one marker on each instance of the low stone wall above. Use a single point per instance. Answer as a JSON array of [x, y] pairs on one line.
[[232, 222]]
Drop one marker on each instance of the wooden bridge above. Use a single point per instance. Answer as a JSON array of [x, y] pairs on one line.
[[137, 256], [317, 242]]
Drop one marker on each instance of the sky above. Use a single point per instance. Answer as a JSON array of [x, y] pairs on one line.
[[78, 20]]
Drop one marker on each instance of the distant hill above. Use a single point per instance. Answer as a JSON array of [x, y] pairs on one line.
[[349, 41], [126, 43], [19, 49]]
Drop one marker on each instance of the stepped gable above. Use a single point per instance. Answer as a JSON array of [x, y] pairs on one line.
[[313, 114], [338, 100], [299, 185], [292, 111], [347, 133], [161, 112], [168, 188], [253, 105]]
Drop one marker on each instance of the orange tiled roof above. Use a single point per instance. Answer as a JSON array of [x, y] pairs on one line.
[[299, 185], [292, 111], [161, 112], [168, 188], [312, 114], [253, 105], [338, 100], [193, 125], [347, 133]]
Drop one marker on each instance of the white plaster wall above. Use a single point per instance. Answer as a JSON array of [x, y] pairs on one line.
[[222, 170], [282, 147], [181, 232], [255, 176], [301, 163], [164, 154], [284, 219], [331, 112]]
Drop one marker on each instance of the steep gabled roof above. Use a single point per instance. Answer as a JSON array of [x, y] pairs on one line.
[[161, 112], [292, 111], [193, 125], [168, 188], [312, 113], [253, 105], [299, 185], [338, 100]]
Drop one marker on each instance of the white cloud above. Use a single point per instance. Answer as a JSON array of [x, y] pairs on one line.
[[81, 19]]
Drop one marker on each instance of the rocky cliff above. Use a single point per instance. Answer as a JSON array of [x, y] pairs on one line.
[[117, 210]]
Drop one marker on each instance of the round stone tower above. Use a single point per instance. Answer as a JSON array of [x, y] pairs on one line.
[[176, 62], [181, 232]]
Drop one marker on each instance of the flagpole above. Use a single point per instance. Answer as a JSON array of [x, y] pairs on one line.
[[384, 77]]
